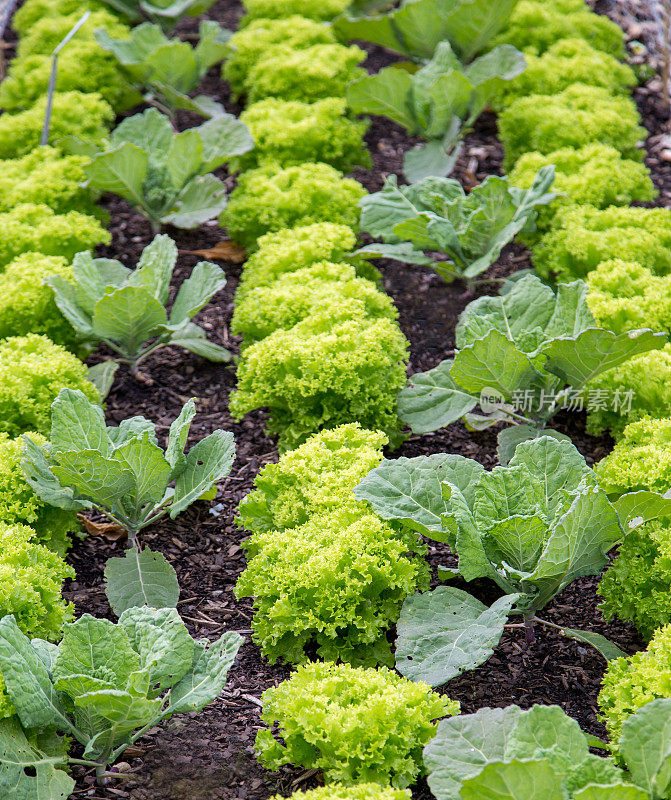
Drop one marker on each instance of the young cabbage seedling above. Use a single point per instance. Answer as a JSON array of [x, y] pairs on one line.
[[532, 527], [165, 70], [125, 309], [121, 471]]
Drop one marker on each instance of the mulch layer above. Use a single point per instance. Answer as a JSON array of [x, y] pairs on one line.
[[210, 756]]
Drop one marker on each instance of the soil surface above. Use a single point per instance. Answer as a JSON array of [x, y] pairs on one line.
[[210, 756]]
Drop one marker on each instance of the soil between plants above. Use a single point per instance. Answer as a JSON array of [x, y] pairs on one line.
[[210, 756]]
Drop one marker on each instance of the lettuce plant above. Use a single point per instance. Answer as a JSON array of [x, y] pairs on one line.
[[167, 70], [532, 527], [439, 102], [106, 302], [121, 471], [105, 685], [346, 721], [521, 356], [361, 791], [418, 27], [541, 754], [280, 9], [165, 13], [166, 175], [436, 214]]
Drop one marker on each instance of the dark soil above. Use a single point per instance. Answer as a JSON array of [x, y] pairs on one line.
[[210, 756]]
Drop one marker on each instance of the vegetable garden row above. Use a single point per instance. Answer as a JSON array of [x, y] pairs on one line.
[[380, 571]]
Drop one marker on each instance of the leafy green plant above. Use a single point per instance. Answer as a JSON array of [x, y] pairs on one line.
[[166, 13], [346, 721], [106, 302], [167, 70], [279, 9], [521, 356], [166, 175], [418, 27], [105, 685], [361, 791], [532, 527], [439, 102], [436, 214], [121, 471], [540, 753]]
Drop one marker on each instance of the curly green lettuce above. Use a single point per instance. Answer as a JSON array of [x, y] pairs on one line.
[[48, 178], [577, 116], [535, 25], [20, 505], [629, 684], [315, 478], [86, 116], [595, 174], [565, 62], [27, 305], [324, 372], [291, 249], [288, 132], [322, 288], [33, 11], [637, 586], [356, 724], [33, 370], [583, 237], [29, 227], [278, 9], [362, 791], [312, 73], [266, 200], [248, 44]]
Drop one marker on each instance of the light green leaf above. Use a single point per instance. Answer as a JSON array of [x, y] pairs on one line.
[[129, 316], [206, 463], [223, 137], [65, 297], [446, 631], [403, 252], [385, 94], [151, 471], [635, 508], [125, 711], [174, 63], [151, 131], [122, 171], [203, 198], [140, 578], [102, 376], [177, 436], [515, 780], [93, 477], [185, 157], [207, 676], [645, 746], [78, 424], [38, 473], [614, 791], [607, 649], [516, 541], [433, 400], [132, 428], [509, 438], [428, 160], [194, 339], [205, 280], [212, 45], [154, 269]]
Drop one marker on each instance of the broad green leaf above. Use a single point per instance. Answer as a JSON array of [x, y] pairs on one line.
[[206, 463], [427, 160], [132, 428], [403, 252], [130, 316], [154, 269], [78, 424], [102, 376], [193, 338], [463, 745], [645, 746], [515, 780], [125, 711], [46, 652], [382, 211], [635, 508], [74, 685], [27, 773], [223, 137], [507, 492], [133, 51], [122, 171], [150, 131], [446, 631], [140, 578], [205, 280], [571, 315], [207, 677], [162, 641], [177, 436], [474, 24], [509, 438], [38, 473], [97, 648], [516, 541], [185, 157], [174, 63], [432, 400], [93, 477], [151, 471], [384, 94], [201, 199], [578, 360], [607, 649], [493, 364], [65, 297], [614, 791], [410, 490], [490, 72], [27, 681], [212, 45]]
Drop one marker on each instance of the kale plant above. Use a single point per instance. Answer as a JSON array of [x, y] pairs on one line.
[[417, 27], [166, 175], [439, 102], [167, 13], [532, 527], [105, 685], [165, 70], [108, 303], [122, 471], [521, 356], [437, 215]]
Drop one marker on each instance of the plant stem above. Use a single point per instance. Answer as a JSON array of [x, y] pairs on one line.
[[529, 622]]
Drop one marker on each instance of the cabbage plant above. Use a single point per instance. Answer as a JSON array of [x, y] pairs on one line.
[[438, 102], [166, 71], [167, 13], [532, 527], [165, 175]]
